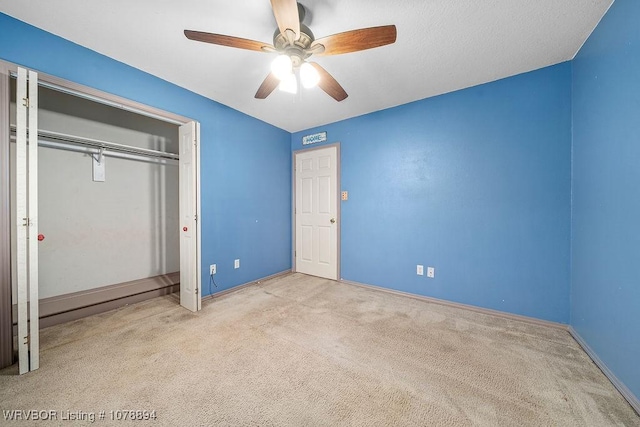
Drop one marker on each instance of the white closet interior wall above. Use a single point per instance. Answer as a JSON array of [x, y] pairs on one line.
[[103, 233]]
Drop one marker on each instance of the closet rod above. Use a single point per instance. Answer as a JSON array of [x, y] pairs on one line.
[[97, 151], [113, 146]]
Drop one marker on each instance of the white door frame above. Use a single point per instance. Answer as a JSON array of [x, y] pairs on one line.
[[105, 98], [338, 203]]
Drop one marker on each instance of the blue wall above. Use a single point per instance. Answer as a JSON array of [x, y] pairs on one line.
[[475, 183], [605, 285], [480, 183], [246, 179]]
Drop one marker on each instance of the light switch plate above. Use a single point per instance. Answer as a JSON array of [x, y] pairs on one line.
[[420, 270], [345, 195], [236, 263]]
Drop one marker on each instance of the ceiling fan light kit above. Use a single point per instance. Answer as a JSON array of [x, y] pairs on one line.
[[295, 44], [282, 67], [309, 76]]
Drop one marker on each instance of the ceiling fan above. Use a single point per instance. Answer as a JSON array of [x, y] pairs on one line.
[[294, 43]]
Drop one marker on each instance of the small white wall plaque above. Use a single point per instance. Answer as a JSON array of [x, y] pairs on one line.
[[314, 139]]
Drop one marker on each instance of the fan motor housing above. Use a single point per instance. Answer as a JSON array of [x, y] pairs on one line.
[[297, 50]]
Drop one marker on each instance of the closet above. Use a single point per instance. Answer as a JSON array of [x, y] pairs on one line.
[[108, 198], [119, 228]]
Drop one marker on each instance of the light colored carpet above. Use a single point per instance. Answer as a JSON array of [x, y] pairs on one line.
[[304, 351]]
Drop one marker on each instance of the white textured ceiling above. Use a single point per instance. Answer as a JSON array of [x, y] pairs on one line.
[[442, 46]]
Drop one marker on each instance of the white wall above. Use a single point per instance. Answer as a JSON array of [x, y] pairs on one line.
[[103, 233]]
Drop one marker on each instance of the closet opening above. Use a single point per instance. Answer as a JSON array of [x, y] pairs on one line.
[[109, 201], [108, 230]]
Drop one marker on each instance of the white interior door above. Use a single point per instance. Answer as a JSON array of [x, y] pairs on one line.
[[189, 205], [27, 220], [316, 212]]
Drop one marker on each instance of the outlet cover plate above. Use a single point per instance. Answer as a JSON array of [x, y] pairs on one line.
[[431, 272]]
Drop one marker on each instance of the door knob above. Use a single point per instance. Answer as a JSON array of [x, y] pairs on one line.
[[332, 220]]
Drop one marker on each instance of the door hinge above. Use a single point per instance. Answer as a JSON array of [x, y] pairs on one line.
[[26, 102], [27, 222], [196, 291], [195, 217]]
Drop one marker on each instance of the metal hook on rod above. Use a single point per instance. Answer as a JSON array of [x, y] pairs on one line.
[[100, 155]]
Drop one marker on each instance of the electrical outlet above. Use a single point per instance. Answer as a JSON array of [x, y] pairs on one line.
[[431, 272], [420, 270], [236, 263], [212, 269]]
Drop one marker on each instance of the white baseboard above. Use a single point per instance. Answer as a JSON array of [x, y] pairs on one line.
[[526, 319], [619, 385], [246, 285], [623, 389]]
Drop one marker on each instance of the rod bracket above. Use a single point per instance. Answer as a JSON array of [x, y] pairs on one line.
[[100, 155]]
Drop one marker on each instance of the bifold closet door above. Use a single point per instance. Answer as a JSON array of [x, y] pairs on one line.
[[26, 225], [190, 295]]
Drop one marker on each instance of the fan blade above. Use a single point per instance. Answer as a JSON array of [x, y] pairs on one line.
[[267, 86], [328, 84], [286, 13], [353, 41], [230, 41]]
